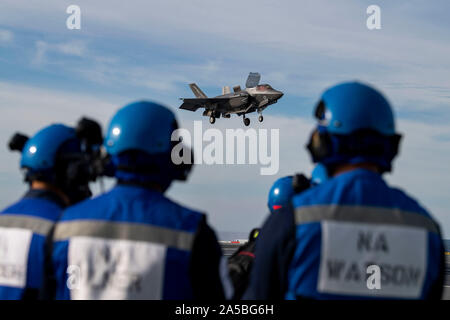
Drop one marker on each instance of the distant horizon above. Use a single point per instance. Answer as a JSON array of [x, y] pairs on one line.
[[231, 235]]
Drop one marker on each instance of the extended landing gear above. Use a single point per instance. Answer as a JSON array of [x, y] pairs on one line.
[[212, 120], [246, 121], [260, 118]]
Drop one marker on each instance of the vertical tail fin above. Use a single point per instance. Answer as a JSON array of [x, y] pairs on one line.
[[226, 90], [253, 79], [197, 92]]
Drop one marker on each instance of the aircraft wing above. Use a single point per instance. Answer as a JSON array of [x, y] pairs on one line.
[[192, 104]]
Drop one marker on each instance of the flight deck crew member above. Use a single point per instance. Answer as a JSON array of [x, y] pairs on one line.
[[240, 264], [280, 196], [353, 236], [133, 242], [52, 160]]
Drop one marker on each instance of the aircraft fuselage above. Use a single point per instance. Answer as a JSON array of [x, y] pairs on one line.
[[255, 97]]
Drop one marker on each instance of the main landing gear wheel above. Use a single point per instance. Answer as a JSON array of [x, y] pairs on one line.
[[212, 120], [246, 122], [260, 118]]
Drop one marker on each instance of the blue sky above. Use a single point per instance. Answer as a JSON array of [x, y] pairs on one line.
[[151, 49]]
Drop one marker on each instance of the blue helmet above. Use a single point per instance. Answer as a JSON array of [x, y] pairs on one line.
[[351, 106], [280, 194], [54, 155], [144, 126], [39, 152], [319, 174], [284, 189], [355, 125], [139, 143]]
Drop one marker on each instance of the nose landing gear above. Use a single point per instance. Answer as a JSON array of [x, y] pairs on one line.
[[212, 120]]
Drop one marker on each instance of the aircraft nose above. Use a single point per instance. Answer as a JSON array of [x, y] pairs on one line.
[[279, 94]]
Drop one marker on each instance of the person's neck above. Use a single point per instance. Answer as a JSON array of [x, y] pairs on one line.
[[146, 185], [349, 167], [41, 185]]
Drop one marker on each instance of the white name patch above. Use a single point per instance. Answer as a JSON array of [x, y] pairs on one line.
[[349, 248], [14, 250], [115, 269]]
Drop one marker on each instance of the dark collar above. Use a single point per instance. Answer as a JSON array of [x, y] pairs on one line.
[[46, 195], [142, 185]]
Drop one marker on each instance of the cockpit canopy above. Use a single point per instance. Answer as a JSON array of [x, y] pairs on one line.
[[263, 87]]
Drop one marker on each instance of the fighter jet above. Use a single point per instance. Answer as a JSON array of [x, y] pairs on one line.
[[255, 97]]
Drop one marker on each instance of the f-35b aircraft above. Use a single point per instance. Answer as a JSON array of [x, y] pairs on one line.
[[255, 97]]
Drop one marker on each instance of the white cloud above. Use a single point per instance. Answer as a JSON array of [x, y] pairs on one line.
[[165, 78], [6, 36], [321, 29], [28, 108], [40, 54], [72, 48], [298, 46], [68, 48]]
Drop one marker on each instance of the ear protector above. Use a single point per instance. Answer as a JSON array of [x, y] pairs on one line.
[[364, 145], [300, 183]]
